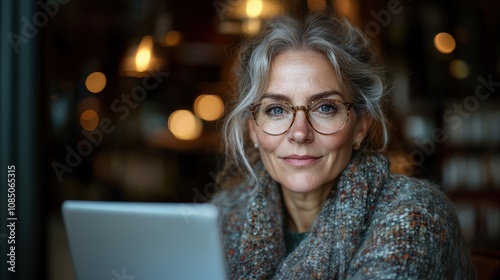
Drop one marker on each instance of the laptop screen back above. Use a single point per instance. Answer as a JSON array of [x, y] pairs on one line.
[[126, 240]]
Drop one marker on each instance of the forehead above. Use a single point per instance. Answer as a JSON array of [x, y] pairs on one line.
[[333, 95], [301, 75]]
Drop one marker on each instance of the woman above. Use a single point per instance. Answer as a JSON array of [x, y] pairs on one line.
[[318, 202]]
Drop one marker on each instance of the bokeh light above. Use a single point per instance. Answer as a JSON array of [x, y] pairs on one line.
[[185, 125], [254, 8], [143, 56], [89, 120], [209, 107], [173, 38], [251, 26], [459, 69], [349, 9], [444, 43], [95, 82]]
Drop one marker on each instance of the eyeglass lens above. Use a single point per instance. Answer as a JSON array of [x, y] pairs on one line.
[[325, 116]]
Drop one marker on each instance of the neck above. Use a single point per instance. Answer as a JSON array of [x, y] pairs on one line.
[[303, 208]]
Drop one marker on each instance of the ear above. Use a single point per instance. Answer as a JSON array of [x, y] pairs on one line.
[[252, 130], [363, 125]]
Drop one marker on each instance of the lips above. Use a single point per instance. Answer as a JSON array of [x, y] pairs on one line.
[[298, 160]]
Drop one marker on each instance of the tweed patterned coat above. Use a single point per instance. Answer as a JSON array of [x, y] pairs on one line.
[[373, 225]]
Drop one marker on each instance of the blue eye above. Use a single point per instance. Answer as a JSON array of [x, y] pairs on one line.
[[275, 110], [326, 108]]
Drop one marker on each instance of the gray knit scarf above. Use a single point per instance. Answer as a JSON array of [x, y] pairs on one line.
[[262, 249], [254, 231]]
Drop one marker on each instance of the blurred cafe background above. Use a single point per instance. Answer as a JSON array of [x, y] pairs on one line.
[[122, 100]]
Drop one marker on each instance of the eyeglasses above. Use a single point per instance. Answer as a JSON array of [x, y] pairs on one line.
[[326, 116]]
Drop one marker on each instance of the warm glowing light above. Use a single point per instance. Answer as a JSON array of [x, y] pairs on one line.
[[89, 120], [184, 125], [173, 38], [444, 43], [459, 69], [143, 56], [345, 7], [254, 8], [209, 107], [95, 82], [316, 5], [251, 26], [349, 9]]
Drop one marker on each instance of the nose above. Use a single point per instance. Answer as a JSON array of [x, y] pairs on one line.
[[301, 131]]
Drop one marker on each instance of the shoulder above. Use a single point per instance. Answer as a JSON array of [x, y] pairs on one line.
[[416, 213], [408, 199], [413, 231], [403, 188]]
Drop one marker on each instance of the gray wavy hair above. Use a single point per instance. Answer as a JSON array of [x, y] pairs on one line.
[[349, 51]]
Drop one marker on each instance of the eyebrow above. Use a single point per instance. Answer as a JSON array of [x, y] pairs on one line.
[[284, 98]]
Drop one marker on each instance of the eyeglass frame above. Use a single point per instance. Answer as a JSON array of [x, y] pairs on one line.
[[305, 108]]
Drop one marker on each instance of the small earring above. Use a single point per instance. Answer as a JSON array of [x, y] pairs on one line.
[[356, 146], [256, 146]]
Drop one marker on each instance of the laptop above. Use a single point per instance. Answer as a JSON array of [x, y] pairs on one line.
[[142, 241]]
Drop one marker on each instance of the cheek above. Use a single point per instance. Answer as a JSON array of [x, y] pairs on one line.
[[339, 155], [338, 142], [268, 143]]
